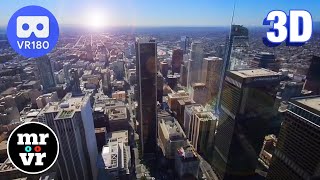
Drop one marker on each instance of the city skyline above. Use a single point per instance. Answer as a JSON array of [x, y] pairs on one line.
[[163, 90], [156, 13]]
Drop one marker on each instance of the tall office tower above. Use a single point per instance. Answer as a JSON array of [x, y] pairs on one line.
[[146, 58], [184, 75], [106, 81], [265, 60], [313, 76], [46, 73], [196, 62], [184, 44], [177, 60], [236, 47], [200, 127], [220, 50], [247, 112], [199, 93], [75, 82], [180, 109], [211, 71], [160, 82], [72, 121], [239, 44], [118, 69], [172, 81], [297, 154], [66, 68], [164, 67], [89, 52]]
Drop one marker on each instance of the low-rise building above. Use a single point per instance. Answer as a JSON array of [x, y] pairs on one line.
[[171, 136], [174, 97], [115, 159], [119, 95], [44, 99], [117, 118], [187, 161]]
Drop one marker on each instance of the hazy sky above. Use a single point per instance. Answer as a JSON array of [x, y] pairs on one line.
[[160, 12]]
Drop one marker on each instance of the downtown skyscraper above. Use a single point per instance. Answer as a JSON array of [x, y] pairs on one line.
[[297, 154], [235, 49], [195, 63], [45, 73], [211, 72], [146, 58], [72, 121], [247, 109]]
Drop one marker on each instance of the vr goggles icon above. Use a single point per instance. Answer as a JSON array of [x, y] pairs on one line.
[[39, 25]]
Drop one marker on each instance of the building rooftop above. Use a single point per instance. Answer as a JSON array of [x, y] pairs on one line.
[[68, 106], [312, 102], [198, 85], [117, 112], [171, 128], [65, 114], [249, 73], [100, 130], [205, 116], [30, 83], [28, 115], [212, 58], [145, 40], [187, 152], [195, 108], [254, 73], [116, 153], [110, 155], [101, 101], [179, 94]]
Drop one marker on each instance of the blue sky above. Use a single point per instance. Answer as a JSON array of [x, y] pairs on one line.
[[160, 12]]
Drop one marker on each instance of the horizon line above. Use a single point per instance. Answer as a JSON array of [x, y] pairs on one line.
[[151, 26]]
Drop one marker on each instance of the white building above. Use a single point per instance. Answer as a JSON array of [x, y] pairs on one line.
[[195, 62], [116, 157]]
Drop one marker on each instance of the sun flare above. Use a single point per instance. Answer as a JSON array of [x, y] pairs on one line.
[[96, 19]]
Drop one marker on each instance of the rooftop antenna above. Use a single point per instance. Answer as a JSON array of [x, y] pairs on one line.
[[233, 11], [225, 61]]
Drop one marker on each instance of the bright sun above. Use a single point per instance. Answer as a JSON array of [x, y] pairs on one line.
[[96, 20]]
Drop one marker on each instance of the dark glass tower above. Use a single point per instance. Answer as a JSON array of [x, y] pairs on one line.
[[247, 109], [235, 52], [75, 82], [46, 73], [297, 154], [146, 56], [313, 76]]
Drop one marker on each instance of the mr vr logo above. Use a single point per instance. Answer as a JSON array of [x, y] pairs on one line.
[[33, 31], [33, 148], [295, 29]]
